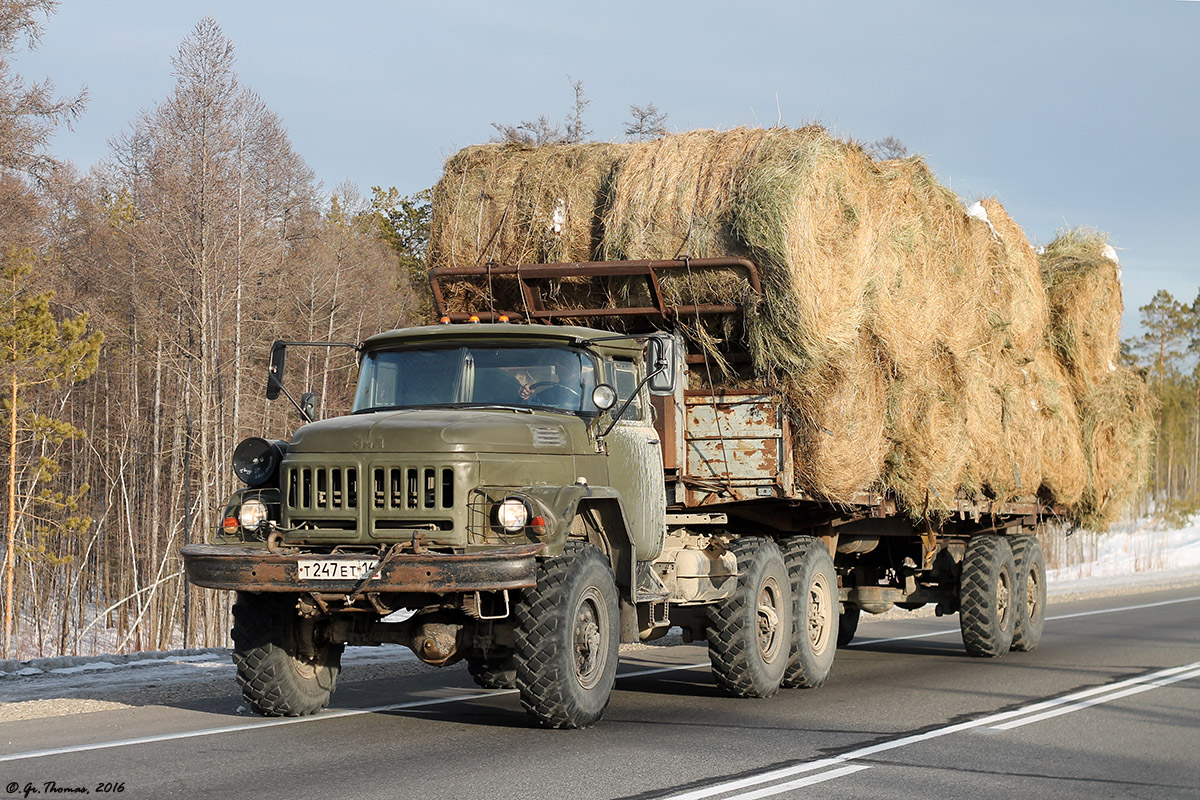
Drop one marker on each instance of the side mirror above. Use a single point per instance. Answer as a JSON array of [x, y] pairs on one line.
[[661, 366], [275, 370], [308, 405]]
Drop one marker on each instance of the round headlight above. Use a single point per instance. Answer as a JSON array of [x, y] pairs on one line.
[[256, 459], [604, 397], [512, 515], [252, 513]]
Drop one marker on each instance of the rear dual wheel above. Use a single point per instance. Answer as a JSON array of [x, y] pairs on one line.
[[848, 625], [750, 633], [1031, 592], [815, 612], [493, 673], [988, 593]]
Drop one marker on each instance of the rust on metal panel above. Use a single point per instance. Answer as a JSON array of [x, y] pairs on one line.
[[664, 424], [734, 459], [255, 569], [736, 446]]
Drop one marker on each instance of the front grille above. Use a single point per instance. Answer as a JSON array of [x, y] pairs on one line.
[[342, 500], [412, 488], [333, 488]]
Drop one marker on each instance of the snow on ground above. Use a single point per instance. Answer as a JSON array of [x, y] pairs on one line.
[[1138, 557]]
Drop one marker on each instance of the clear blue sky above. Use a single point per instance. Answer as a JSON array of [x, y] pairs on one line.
[[1079, 112]]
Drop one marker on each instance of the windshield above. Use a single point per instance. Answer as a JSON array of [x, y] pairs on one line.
[[533, 377]]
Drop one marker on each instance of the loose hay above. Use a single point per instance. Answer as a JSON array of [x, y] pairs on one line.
[[839, 419], [1064, 467]]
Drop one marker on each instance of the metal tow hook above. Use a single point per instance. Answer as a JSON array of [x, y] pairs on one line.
[[392, 554]]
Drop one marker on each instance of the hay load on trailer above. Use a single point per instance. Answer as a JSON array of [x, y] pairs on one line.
[[1082, 276], [910, 334]]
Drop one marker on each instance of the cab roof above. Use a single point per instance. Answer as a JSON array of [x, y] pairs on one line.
[[506, 333]]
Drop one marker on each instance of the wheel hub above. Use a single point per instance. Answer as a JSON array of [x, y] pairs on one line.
[[770, 637], [820, 614], [588, 642], [1003, 598]]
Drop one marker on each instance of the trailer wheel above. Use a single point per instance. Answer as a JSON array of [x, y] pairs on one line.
[[814, 612], [848, 625], [987, 596], [750, 633], [1031, 587], [277, 677], [493, 673], [567, 639]]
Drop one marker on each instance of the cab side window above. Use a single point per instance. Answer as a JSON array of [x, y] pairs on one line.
[[625, 380]]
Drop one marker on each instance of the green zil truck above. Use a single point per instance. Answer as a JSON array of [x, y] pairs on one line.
[[527, 487]]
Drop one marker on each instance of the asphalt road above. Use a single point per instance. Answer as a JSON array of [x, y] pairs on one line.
[[1108, 706]]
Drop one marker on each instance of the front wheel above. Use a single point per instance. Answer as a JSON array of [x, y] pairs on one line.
[[567, 639], [280, 673], [815, 614], [750, 633], [987, 596]]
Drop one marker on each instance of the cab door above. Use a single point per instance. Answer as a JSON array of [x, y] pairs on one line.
[[635, 463]]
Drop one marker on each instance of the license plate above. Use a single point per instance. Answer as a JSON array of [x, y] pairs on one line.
[[334, 569]]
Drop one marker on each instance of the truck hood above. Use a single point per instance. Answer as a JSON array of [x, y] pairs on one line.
[[472, 430]]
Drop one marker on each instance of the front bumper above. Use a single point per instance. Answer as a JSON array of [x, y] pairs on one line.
[[254, 569]]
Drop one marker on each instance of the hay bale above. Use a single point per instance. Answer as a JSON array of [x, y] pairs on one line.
[[927, 431], [838, 418], [790, 200], [988, 473], [1004, 428], [671, 196], [1064, 466], [1014, 300], [925, 269], [1118, 431], [1083, 289], [515, 204]]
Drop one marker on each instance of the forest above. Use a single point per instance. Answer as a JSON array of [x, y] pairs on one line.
[[138, 301]]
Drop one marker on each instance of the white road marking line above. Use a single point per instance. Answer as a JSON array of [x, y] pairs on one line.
[[1125, 608], [1107, 698], [660, 670], [949, 631], [1168, 675], [796, 784]]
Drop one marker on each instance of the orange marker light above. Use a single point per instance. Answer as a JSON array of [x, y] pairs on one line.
[[229, 525], [444, 320], [473, 318], [504, 317], [538, 525]]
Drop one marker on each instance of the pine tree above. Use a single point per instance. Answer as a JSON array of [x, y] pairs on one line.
[[38, 355]]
